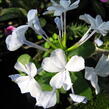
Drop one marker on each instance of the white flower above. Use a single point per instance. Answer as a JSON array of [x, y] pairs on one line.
[[63, 6], [96, 23], [33, 22], [17, 39], [57, 63], [98, 42], [101, 69], [78, 98], [27, 84], [47, 99]]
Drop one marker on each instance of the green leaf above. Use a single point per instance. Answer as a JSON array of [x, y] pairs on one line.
[[55, 36], [61, 90], [39, 37], [80, 85], [24, 59], [46, 45], [84, 50]]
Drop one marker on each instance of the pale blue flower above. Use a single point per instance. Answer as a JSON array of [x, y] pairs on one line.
[[17, 39], [101, 69], [78, 98], [63, 6], [34, 23], [97, 23]]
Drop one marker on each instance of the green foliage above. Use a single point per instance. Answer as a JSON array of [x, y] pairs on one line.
[[11, 13], [80, 85], [44, 79], [24, 59], [106, 42], [100, 102], [84, 50], [76, 30]]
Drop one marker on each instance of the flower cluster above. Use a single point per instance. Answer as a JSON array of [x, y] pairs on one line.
[[58, 62]]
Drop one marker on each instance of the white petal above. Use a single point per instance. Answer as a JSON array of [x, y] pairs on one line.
[[34, 89], [31, 14], [98, 20], [27, 85], [65, 3], [32, 70], [59, 53], [47, 99], [56, 62], [29, 69], [92, 77], [22, 82], [58, 13], [20, 33], [19, 66], [13, 43], [51, 64], [58, 10], [67, 83], [78, 98], [74, 5], [75, 64], [103, 28], [102, 67], [88, 19], [58, 80]]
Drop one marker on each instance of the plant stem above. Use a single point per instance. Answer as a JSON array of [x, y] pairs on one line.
[[46, 38], [88, 37], [59, 39], [81, 42], [64, 35], [73, 47], [84, 36], [31, 44]]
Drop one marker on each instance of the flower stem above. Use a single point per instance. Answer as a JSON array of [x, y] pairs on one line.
[[85, 35], [64, 35], [31, 44], [82, 41], [59, 40]]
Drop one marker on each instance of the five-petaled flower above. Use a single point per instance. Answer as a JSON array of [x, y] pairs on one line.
[[57, 63], [101, 69], [28, 84], [97, 23], [63, 6]]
